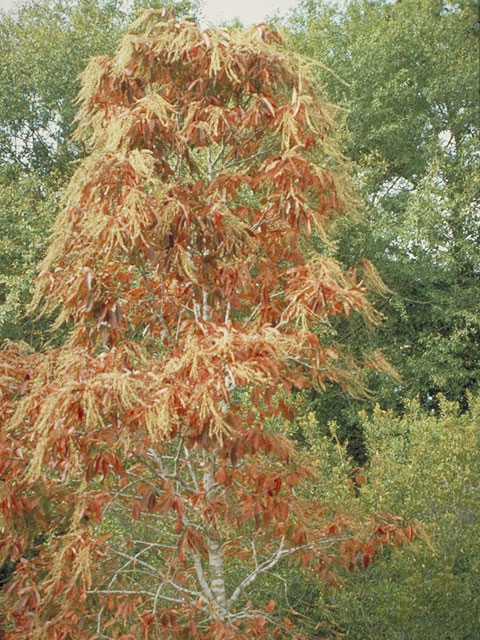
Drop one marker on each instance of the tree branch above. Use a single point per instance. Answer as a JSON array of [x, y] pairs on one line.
[[265, 566]]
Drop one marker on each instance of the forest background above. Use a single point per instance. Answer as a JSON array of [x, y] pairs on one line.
[[405, 78]]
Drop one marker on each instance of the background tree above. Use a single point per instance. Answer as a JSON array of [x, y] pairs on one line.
[[428, 467], [407, 75], [44, 45], [182, 262]]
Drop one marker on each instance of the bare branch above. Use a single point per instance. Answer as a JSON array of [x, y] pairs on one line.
[[265, 566]]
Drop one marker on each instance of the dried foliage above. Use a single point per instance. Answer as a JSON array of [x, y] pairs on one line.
[[140, 450]]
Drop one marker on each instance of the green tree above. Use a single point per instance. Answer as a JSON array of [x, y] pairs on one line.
[[407, 75], [44, 45], [429, 468]]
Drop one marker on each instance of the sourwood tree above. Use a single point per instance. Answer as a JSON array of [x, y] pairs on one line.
[[147, 481]]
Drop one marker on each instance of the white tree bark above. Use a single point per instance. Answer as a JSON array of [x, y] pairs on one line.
[[215, 551]]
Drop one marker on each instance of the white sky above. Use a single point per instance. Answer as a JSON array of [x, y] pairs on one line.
[[249, 11]]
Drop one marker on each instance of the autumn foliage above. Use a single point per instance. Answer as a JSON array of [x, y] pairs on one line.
[[147, 481]]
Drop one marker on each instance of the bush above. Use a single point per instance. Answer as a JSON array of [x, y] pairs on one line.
[[425, 467]]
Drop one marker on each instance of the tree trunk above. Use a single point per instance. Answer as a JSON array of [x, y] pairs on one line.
[[215, 551]]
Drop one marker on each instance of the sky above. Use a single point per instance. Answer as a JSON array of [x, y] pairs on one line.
[[249, 11]]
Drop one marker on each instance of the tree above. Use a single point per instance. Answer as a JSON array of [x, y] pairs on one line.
[[428, 466], [412, 118], [182, 266]]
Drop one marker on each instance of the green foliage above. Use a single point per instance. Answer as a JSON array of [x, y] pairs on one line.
[[425, 467], [44, 45], [406, 74], [25, 214]]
